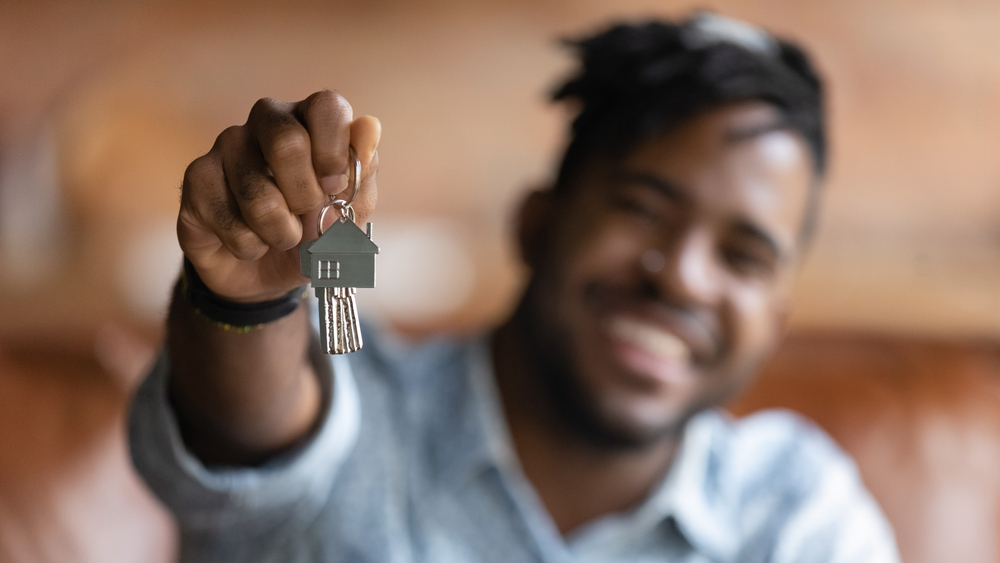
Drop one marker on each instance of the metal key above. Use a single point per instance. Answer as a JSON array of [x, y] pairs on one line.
[[340, 260], [339, 330]]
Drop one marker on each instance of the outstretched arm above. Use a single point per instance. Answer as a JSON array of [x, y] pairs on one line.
[[242, 398]]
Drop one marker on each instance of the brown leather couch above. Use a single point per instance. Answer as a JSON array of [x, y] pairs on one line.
[[921, 417]]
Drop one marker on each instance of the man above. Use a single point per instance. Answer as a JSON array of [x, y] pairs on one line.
[[584, 427]]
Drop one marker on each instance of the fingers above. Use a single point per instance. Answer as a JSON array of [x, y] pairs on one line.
[[327, 116], [285, 146], [247, 194], [262, 205], [210, 218], [365, 134]]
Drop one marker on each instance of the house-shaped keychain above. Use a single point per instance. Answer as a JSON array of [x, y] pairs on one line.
[[340, 260], [343, 256]]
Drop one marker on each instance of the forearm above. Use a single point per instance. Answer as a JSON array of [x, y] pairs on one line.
[[241, 399]]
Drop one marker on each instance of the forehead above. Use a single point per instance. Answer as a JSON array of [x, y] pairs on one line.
[[734, 163]]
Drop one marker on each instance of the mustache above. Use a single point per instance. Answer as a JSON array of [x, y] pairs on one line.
[[698, 326]]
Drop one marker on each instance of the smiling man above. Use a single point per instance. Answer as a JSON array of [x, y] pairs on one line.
[[584, 428]]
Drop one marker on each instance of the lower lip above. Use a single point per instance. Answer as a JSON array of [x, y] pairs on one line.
[[648, 366]]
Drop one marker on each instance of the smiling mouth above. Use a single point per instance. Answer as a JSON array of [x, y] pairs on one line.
[[651, 339], [662, 332]]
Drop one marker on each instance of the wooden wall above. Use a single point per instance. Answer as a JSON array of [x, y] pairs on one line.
[[104, 103]]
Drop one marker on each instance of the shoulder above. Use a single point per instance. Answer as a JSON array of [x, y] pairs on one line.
[[796, 490], [780, 442], [771, 454]]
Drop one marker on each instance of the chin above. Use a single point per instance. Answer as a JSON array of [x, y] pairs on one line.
[[628, 407], [601, 398], [637, 422]]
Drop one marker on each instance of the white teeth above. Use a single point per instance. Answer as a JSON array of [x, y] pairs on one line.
[[651, 338]]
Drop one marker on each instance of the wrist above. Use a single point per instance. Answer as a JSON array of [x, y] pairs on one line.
[[231, 315]]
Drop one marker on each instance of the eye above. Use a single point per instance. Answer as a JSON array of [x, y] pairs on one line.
[[749, 260], [635, 207], [643, 203]]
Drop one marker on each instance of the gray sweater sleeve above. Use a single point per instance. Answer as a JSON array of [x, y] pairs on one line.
[[222, 501]]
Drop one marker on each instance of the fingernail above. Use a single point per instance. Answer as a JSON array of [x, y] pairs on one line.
[[333, 184]]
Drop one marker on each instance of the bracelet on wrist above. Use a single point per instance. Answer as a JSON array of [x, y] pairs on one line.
[[231, 316]]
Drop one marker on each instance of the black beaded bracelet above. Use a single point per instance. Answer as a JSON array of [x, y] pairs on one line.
[[230, 315]]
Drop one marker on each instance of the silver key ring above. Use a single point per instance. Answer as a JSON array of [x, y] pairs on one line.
[[344, 206]]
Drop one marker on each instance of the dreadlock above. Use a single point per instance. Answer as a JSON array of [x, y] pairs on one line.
[[641, 80]]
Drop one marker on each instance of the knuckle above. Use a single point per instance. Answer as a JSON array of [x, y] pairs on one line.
[[196, 174], [264, 106], [247, 183], [270, 222], [193, 175], [221, 211], [288, 145], [268, 114], [230, 137], [246, 245], [263, 213], [328, 103], [305, 199]]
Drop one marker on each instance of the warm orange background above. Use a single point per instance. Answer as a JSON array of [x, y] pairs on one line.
[[103, 104], [120, 96]]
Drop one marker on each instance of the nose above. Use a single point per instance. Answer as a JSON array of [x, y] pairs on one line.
[[686, 270]]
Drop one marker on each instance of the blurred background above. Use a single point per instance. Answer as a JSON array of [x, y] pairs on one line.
[[893, 344]]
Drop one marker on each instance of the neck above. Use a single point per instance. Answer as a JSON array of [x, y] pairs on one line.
[[577, 477]]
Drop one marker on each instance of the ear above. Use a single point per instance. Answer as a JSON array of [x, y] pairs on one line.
[[533, 220]]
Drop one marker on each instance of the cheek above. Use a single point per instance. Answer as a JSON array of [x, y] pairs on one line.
[[607, 251], [754, 319]]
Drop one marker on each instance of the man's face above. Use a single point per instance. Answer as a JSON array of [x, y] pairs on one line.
[[661, 280]]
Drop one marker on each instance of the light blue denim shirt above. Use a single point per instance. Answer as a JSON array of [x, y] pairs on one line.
[[413, 463]]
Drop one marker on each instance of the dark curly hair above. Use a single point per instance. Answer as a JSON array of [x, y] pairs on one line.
[[644, 79]]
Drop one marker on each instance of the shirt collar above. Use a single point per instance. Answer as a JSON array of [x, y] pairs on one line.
[[693, 493]]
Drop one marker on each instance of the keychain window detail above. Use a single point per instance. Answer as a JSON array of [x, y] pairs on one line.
[[329, 270]]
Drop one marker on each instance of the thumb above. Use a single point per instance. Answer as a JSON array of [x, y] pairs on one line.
[[365, 134]]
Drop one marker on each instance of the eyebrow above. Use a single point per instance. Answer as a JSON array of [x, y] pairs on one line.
[[667, 188], [675, 193], [747, 132]]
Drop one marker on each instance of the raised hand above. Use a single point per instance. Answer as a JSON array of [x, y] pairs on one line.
[[248, 204]]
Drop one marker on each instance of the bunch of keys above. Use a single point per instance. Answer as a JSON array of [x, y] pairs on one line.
[[339, 261]]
